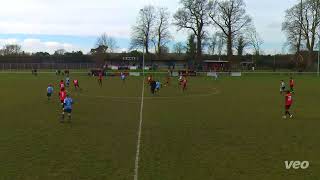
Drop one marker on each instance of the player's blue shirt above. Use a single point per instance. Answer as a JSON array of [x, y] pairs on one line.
[[123, 77], [68, 103], [158, 85], [50, 89]]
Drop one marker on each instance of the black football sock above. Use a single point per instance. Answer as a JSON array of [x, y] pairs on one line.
[[288, 113]]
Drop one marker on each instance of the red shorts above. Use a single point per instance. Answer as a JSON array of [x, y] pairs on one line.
[[288, 107]]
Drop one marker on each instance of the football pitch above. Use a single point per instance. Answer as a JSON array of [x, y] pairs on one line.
[[229, 129]]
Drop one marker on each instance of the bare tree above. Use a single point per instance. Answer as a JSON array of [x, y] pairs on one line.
[[194, 16], [142, 32], [293, 33], [212, 44], [161, 31], [230, 17], [100, 50], [293, 28], [221, 41], [300, 30], [107, 41], [308, 21], [191, 47], [11, 49], [255, 41], [179, 48], [60, 52], [241, 43]]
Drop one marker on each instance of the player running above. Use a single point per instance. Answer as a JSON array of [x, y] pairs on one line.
[[149, 79], [282, 87], [100, 79], [291, 82], [153, 85], [180, 79], [216, 76], [123, 77], [34, 72], [67, 108], [62, 96], [184, 84], [49, 91], [67, 81], [76, 84], [62, 85], [158, 86], [288, 104]]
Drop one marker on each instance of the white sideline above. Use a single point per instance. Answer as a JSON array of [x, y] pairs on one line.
[[136, 166]]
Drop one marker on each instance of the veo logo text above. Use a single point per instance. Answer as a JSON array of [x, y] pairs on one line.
[[296, 164]]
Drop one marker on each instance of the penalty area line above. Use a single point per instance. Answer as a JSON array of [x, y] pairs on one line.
[[136, 165]]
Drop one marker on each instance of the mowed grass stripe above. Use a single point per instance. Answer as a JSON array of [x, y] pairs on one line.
[[237, 134], [99, 144]]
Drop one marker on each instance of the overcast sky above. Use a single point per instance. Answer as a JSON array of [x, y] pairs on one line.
[[47, 25]]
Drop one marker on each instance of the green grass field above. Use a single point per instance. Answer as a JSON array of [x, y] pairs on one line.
[[230, 129]]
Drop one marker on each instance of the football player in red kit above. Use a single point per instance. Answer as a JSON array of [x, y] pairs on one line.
[[184, 84], [61, 85], [288, 104], [291, 82], [100, 79], [76, 84], [62, 95]]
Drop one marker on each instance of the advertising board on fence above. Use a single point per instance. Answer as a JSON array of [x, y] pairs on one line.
[[134, 74]]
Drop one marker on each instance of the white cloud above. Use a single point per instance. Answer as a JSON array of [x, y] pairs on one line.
[[36, 45], [8, 41], [116, 17], [72, 17]]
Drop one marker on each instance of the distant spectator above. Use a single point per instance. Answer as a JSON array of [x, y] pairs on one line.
[[66, 72], [58, 72]]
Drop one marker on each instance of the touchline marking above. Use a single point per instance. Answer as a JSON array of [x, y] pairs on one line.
[[136, 166]]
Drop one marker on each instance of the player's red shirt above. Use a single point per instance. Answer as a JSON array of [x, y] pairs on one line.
[[62, 95], [291, 83], [61, 85], [75, 82], [288, 99], [184, 82]]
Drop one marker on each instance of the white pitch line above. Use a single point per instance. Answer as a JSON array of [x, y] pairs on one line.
[[136, 166]]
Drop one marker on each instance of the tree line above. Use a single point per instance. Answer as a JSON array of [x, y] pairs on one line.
[[302, 28], [217, 26]]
